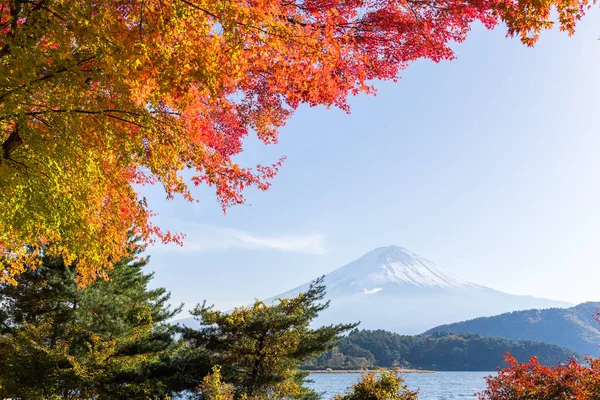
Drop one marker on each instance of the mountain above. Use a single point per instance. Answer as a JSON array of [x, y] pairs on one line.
[[574, 328], [439, 351], [394, 289]]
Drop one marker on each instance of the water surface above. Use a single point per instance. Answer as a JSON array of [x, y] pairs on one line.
[[434, 386]]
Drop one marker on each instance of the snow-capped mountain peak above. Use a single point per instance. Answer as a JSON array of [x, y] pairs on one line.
[[395, 289], [393, 265]]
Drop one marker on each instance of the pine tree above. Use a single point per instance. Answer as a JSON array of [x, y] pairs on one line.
[[260, 347], [105, 341]]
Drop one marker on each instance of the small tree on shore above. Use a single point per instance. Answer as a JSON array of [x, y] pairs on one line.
[[260, 347], [379, 385]]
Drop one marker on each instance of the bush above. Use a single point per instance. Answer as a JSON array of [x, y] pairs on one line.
[[213, 387], [533, 381], [379, 385]]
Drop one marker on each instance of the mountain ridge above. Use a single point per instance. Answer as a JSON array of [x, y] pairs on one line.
[[575, 328], [395, 289]]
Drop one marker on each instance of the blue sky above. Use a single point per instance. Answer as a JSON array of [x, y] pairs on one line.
[[488, 165]]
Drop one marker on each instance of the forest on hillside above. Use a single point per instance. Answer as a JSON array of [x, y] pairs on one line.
[[575, 328], [439, 351]]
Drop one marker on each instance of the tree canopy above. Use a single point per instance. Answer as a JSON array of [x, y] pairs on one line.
[[100, 97], [112, 340], [260, 347], [106, 341]]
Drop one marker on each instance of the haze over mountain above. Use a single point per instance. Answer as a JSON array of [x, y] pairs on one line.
[[575, 328], [394, 289]]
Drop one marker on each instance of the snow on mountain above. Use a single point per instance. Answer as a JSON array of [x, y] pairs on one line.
[[395, 265], [394, 289]]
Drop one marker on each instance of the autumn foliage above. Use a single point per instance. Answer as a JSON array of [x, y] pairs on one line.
[[533, 381], [98, 98], [379, 385]]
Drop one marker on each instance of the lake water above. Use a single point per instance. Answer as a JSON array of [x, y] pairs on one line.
[[433, 386]]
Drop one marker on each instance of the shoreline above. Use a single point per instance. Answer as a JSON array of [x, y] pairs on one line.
[[362, 371]]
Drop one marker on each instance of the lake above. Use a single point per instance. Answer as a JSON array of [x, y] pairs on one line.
[[434, 386]]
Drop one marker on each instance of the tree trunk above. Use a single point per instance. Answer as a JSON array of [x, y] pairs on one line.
[[11, 143], [256, 369]]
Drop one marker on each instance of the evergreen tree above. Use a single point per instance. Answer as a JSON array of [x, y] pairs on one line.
[[106, 341], [260, 347]]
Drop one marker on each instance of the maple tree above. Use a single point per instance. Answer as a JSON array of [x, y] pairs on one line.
[[100, 97], [533, 381]]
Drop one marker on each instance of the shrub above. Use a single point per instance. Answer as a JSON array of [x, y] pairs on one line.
[[379, 385], [533, 381], [213, 387]]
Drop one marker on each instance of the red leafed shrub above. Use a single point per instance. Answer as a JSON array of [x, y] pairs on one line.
[[533, 381]]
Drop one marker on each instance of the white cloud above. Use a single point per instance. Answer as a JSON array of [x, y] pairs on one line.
[[200, 238], [372, 291]]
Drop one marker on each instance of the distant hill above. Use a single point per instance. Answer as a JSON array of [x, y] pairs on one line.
[[395, 289], [574, 328], [442, 352]]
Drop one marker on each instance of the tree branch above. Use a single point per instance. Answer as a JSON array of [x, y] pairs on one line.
[[107, 113], [46, 77]]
